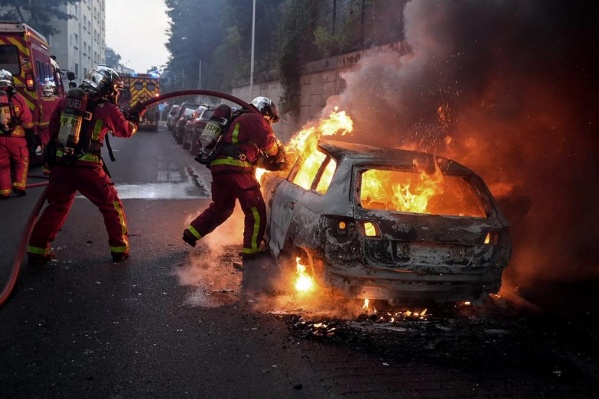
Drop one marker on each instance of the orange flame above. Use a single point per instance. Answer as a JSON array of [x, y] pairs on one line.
[[407, 196], [304, 142], [304, 282]]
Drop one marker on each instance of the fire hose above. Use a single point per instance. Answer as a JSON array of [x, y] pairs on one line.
[[139, 107]]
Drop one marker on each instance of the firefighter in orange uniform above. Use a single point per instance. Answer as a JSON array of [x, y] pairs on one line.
[[234, 177], [47, 105], [16, 138], [75, 156]]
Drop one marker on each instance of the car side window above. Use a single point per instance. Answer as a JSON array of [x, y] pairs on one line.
[[315, 172], [327, 175]]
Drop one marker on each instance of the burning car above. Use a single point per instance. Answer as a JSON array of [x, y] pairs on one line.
[[397, 225]]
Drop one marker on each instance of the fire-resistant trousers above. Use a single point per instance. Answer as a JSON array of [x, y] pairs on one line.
[[14, 164], [95, 185], [226, 188]]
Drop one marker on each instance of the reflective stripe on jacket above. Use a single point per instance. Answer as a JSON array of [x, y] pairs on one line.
[[251, 133]]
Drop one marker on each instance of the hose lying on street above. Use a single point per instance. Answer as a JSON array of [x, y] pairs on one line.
[[16, 267]]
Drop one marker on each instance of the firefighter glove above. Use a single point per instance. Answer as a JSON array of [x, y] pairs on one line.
[[31, 140]]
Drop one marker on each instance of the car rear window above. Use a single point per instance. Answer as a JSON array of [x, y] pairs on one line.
[[418, 192]]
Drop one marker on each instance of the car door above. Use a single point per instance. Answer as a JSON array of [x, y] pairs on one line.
[[296, 203]]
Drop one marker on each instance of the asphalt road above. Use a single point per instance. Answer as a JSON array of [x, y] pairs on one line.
[[176, 322]]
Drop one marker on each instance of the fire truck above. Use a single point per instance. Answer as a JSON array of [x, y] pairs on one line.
[[138, 88], [25, 53]]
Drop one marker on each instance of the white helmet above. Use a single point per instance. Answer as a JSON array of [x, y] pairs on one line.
[[6, 78], [49, 89], [267, 108]]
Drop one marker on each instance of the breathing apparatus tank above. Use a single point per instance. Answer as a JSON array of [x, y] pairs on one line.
[[6, 114], [71, 119], [215, 126]]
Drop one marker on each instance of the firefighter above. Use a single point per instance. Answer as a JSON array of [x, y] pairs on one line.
[[248, 137], [16, 138], [47, 105], [78, 128]]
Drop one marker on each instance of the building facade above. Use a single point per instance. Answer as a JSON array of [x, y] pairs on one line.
[[81, 42]]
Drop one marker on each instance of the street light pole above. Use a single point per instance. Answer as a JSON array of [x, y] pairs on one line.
[[252, 60]]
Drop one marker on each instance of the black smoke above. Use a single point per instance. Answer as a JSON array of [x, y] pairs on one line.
[[509, 89]]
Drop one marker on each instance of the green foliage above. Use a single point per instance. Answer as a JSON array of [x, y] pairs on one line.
[[36, 13], [296, 48], [112, 58], [288, 34]]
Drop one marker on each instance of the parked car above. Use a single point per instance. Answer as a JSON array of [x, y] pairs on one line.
[[354, 213], [197, 128], [190, 126], [172, 114], [187, 109]]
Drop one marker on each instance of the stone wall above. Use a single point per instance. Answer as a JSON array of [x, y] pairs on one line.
[[319, 80]]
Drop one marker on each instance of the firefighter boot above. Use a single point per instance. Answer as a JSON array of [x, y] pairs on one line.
[[119, 256], [189, 238], [39, 259]]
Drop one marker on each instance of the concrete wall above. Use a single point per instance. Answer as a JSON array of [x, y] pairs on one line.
[[319, 80]]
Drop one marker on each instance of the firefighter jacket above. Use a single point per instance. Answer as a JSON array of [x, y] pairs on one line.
[[47, 105], [23, 114], [105, 117], [250, 134]]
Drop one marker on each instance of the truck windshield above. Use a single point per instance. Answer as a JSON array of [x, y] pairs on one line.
[[9, 59]]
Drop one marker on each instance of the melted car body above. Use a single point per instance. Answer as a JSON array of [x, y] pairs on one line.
[[396, 225]]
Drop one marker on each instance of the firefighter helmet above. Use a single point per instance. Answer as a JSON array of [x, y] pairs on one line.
[[106, 81], [49, 89], [6, 78], [267, 108]]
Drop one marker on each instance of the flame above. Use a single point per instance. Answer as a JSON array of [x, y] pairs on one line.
[[304, 142], [409, 196], [366, 302], [304, 282]]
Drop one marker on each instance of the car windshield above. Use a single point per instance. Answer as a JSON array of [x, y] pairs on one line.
[[419, 192]]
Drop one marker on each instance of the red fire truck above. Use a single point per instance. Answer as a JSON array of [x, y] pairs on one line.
[[141, 87], [25, 53]]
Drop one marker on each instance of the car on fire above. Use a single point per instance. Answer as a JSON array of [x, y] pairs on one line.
[[400, 226]]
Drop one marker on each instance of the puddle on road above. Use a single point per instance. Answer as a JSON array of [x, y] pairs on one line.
[[169, 186], [160, 191]]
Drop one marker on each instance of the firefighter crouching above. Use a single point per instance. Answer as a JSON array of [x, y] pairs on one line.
[[16, 138], [78, 128], [233, 171]]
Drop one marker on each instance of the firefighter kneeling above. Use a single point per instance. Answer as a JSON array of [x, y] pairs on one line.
[[247, 137], [78, 128]]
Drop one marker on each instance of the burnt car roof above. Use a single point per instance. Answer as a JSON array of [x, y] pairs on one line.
[[363, 154]]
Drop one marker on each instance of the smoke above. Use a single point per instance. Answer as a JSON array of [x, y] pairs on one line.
[[509, 89], [215, 282]]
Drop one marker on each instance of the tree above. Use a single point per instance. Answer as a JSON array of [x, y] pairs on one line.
[[36, 13], [297, 48], [113, 59]]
